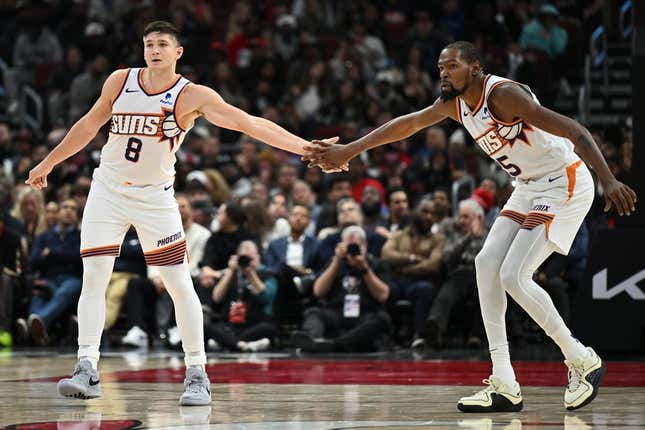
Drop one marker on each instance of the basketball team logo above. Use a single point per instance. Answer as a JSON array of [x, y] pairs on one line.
[[511, 133]]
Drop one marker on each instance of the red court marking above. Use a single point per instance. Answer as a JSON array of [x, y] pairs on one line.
[[362, 372]]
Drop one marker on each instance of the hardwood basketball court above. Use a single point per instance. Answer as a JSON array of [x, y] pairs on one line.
[[288, 391]]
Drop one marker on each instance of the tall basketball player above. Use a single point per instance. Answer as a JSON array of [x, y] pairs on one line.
[[539, 148], [151, 109]]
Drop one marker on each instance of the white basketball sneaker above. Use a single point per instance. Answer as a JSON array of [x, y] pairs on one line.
[[497, 397], [585, 374], [84, 383]]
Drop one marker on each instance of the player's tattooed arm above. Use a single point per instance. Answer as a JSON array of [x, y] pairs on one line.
[[397, 129], [510, 101]]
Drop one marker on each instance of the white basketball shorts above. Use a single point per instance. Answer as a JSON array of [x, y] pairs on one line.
[[559, 200], [112, 208]]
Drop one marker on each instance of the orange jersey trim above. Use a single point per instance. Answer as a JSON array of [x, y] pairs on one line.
[[534, 219], [127, 75], [458, 109], [481, 97], [175, 110], [571, 177], [101, 250], [140, 80], [165, 248], [167, 256], [518, 217]]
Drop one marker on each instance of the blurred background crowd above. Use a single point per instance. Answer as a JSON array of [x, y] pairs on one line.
[[281, 255]]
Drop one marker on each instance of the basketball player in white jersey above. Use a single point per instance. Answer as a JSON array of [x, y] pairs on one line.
[[151, 109], [554, 192]]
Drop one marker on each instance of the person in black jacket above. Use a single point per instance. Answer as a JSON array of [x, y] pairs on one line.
[[290, 258], [352, 291], [245, 296]]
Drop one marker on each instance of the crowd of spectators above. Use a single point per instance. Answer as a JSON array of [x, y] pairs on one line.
[[341, 262]]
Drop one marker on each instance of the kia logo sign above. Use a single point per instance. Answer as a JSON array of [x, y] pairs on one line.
[[600, 290]]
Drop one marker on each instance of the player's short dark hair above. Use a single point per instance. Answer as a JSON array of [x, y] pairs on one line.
[[162, 27], [468, 51]]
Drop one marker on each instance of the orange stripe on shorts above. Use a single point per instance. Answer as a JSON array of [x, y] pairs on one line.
[[571, 176]]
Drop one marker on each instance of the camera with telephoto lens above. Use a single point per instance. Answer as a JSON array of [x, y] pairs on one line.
[[353, 249], [243, 261]]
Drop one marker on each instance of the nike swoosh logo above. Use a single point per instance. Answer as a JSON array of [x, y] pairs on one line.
[[167, 188], [128, 90], [93, 383], [556, 178]]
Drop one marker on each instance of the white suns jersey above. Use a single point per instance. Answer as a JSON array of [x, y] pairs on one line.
[[144, 134], [523, 150]]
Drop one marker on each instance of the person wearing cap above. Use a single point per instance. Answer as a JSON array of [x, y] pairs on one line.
[[544, 33]]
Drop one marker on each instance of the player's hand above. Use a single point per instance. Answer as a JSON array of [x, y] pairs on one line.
[[232, 262], [341, 251], [327, 154], [619, 196], [38, 175]]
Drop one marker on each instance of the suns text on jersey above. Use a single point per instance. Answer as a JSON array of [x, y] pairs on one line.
[[136, 124], [490, 142]]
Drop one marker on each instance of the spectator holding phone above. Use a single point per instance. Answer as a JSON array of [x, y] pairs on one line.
[[244, 294]]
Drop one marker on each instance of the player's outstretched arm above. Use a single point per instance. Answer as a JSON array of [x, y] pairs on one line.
[[509, 101], [81, 132], [209, 103], [335, 155]]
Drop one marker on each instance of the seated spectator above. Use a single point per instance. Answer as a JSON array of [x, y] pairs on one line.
[[461, 248], [349, 213], [9, 272], [544, 33], [399, 209], [373, 219], [302, 195], [414, 257], [51, 214], [30, 211], [290, 257], [339, 186], [245, 294], [56, 258], [441, 210], [351, 291]]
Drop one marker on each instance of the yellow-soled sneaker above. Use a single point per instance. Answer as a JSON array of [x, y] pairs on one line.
[[585, 374], [497, 397]]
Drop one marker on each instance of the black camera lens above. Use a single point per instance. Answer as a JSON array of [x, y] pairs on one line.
[[243, 261], [353, 249]]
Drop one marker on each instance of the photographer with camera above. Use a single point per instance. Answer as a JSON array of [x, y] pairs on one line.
[[352, 291], [245, 295]]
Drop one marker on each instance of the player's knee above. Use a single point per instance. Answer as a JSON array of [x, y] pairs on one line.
[[509, 275], [487, 265]]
